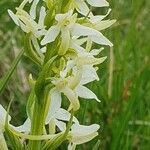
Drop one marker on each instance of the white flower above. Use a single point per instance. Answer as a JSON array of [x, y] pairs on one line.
[[64, 23], [69, 28], [80, 134], [82, 7], [27, 22], [56, 115]]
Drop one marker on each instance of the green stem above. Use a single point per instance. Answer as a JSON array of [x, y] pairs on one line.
[[38, 121]]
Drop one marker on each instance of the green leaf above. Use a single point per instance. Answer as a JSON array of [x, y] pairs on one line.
[[6, 78], [30, 51]]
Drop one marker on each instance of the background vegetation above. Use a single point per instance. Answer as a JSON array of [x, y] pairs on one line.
[[124, 115]]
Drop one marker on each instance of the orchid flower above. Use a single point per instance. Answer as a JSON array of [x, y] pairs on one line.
[[28, 23], [82, 7], [56, 115], [80, 134], [66, 24]]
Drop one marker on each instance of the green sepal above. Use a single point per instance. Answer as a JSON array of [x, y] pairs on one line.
[[30, 102], [29, 50], [41, 81]]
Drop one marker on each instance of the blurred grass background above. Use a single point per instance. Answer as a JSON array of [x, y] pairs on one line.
[[125, 115]]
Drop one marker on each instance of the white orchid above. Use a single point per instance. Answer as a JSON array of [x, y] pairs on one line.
[[56, 115], [66, 24], [80, 134], [27, 22], [82, 7]]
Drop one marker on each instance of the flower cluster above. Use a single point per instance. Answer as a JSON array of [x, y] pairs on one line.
[[59, 38]]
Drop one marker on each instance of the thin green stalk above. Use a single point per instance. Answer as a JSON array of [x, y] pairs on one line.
[[111, 68], [6, 78]]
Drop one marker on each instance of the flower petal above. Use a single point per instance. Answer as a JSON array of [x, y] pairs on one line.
[[98, 3], [81, 134], [42, 16], [51, 35], [104, 24], [3, 114], [26, 127], [101, 39], [82, 7], [89, 75], [97, 18], [64, 115], [33, 9], [55, 104], [14, 17], [84, 92], [96, 36], [61, 125]]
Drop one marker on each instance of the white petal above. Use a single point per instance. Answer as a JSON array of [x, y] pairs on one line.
[[42, 16], [55, 104], [96, 36], [104, 24], [100, 39], [96, 52], [79, 30], [14, 17], [51, 35], [82, 7], [89, 75], [43, 49], [61, 17], [98, 3], [26, 127], [77, 47], [3, 114], [61, 125], [82, 134], [33, 8], [64, 115], [97, 18], [84, 92], [77, 140], [82, 130]]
